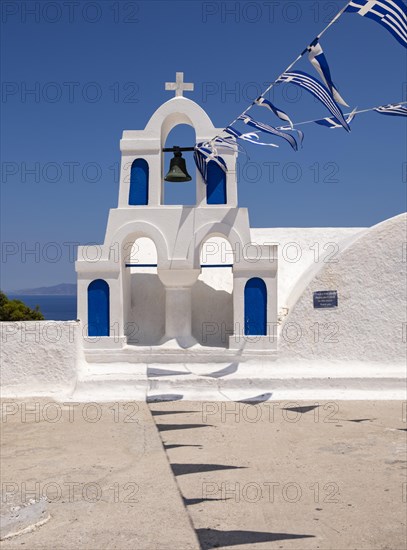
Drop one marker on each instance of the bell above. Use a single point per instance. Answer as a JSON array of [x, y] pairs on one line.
[[178, 168]]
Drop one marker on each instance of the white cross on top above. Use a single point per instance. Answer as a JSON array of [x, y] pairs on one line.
[[179, 85]]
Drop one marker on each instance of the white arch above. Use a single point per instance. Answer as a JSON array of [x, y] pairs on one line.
[[133, 230], [213, 230], [143, 252], [180, 110], [217, 250]]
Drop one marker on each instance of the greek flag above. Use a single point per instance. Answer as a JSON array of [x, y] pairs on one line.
[[331, 123], [223, 143], [320, 63], [392, 110], [252, 137], [203, 154], [318, 90], [269, 130], [263, 102], [389, 13]]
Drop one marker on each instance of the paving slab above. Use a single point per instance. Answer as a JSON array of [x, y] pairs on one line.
[[181, 475], [295, 475], [101, 471]]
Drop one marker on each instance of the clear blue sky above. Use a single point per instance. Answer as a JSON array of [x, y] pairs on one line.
[[99, 68]]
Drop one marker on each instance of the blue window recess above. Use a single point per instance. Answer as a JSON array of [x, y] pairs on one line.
[[255, 307], [98, 308], [138, 194], [216, 186]]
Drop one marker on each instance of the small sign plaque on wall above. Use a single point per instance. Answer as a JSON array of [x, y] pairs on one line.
[[324, 299]]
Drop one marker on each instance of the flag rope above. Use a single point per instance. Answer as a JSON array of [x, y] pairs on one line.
[[345, 114], [334, 20]]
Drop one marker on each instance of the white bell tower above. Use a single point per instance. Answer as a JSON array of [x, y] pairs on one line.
[[107, 305]]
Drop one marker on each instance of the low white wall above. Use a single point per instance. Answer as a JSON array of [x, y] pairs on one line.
[[39, 357]]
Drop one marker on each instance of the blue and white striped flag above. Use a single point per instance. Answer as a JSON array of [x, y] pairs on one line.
[[203, 154], [318, 90], [392, 110], [389, 13], [269, 130], [200, 155], [331, 123], [263, 102], [320, 63], [252, 137], [223, 143]]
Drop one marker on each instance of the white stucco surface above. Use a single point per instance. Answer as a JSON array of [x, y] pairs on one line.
[[354, 351], [212, 305], [369, 323], [39, 357], [299, 248]]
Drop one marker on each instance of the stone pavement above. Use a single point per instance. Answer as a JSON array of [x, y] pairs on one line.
[[327, 475], [106, 476]]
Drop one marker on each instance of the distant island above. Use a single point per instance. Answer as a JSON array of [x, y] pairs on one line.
[[63, 289]]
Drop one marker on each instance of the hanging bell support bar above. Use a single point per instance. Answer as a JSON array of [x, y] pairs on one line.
[[175, 148]]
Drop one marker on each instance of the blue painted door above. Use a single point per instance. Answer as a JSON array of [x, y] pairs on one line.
[[216, 186], [255, 307], [98, 308], [138, 194]]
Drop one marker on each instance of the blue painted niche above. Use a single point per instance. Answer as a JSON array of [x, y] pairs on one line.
[[255, 307], [216, 185], [98, 308], [139, 173]]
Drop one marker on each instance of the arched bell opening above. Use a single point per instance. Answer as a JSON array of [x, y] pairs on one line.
[[179, 192]]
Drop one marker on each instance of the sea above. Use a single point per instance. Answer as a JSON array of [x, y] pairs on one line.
[[53, 307]]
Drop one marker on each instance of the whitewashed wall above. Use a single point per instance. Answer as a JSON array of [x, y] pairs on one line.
[[299, 248], [42, 357], [369, 322], [39, 357]]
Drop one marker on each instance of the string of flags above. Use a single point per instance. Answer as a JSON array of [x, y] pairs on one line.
[[331, 123], [247, 119], [391, 14], [393, 109]]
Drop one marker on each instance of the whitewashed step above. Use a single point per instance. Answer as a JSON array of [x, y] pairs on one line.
[[236, 381], [198, 354]]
